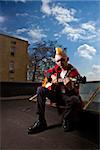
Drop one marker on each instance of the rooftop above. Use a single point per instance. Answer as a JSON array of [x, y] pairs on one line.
[[17, 115]]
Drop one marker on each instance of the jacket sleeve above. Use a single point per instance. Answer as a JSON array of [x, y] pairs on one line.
[[51, 71], [74, 73]]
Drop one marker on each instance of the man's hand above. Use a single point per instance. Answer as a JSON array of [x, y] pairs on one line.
[[66, 80], [54, 78]]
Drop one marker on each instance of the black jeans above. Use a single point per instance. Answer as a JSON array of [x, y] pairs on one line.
[[72, 104]]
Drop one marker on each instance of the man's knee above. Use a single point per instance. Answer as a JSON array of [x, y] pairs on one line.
[[40, 90], [77, 102], [75, 98]]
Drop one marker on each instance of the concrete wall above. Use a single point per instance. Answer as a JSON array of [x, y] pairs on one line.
[[18, 88], [86, 90], [28, 88]]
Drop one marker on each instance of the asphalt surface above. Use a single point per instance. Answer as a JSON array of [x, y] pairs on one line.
[[17, 115]]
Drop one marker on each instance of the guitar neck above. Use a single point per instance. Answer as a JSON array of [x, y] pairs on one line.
[[62, 80]]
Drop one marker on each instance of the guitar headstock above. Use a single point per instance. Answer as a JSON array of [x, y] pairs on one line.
[[81, 79]]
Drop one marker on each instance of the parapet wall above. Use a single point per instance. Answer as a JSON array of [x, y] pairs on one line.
[[17, 88], [86, 90], [29, 88]]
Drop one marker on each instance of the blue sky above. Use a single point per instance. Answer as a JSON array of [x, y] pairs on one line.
[[74, 24]]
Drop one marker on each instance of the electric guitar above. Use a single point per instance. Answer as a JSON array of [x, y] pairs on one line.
[[67, 82], [49, 84]]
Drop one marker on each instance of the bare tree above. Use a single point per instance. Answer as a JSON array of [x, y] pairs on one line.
[[42, 53]]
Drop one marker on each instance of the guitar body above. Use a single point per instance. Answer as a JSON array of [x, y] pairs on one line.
[[44, 82], [66, 85], [56, 84]]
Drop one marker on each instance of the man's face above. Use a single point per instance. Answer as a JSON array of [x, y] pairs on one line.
[[61, 62]]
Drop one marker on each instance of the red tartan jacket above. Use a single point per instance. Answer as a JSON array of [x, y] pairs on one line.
[[72, 71]]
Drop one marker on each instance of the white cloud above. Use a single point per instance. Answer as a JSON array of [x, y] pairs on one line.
[[72, 33], [22, 14], [96, 68], [94, 75], [21, 37], [63, 15], [98, 37], [2, 19], [3, 29], [57, 36], [86, 51], [21, 1], [45, 7], [90, 26], [79, 33], [19, 31], [83, 31], [36, 34]]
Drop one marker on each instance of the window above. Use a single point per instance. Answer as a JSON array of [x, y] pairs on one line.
[[11, 77], [13, 42], [12, 50], [11, 67]]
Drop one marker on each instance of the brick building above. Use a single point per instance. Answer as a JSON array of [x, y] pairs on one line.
[[13, 59]]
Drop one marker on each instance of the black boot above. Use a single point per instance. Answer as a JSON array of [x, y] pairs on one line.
[[37, 127], [67, 125]]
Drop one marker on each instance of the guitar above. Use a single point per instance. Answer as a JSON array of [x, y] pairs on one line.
[[49, 84], [67, 82]]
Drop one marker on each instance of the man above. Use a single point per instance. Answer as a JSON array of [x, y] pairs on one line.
[[64, 93]]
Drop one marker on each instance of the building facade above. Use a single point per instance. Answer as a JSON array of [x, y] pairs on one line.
[[14, 59]]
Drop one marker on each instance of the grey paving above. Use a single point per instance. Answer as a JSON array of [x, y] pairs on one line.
[[18, 115]]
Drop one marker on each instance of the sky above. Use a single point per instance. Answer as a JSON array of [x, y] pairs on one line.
[[75, 24]]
